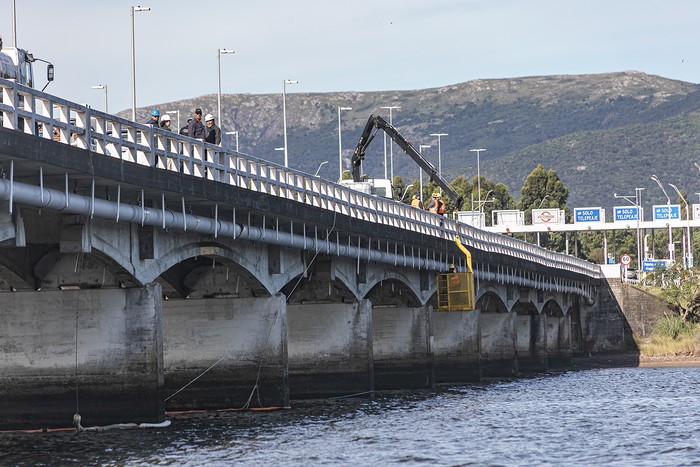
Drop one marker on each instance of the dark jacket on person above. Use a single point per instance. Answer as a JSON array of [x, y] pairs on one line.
[[213, 134], [196, 129]]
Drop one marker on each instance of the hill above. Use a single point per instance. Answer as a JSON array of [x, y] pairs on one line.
[[602, 133]]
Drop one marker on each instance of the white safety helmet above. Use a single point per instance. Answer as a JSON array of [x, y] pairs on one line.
[[165, 118], [208, 117]]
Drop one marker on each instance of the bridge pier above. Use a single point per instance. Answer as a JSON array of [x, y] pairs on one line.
[[230, 349], [499, 346], [532, 341], [403, 358], [330, 349], [97, 352], [457, 346]]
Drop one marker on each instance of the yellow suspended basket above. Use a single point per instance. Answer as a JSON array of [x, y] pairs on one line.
[[456, 289]]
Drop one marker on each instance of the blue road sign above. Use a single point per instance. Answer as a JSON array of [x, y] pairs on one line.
[[664, 212], [650, 265], [589, 215], [626, 213]]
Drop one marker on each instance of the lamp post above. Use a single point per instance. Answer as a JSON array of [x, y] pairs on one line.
[[134, 9], [439, 135], [391, 146], [668, 203], [638, 203], [170, 112], [220, 52], [319, 168], [478, 176], [420, 174], [340, 143], [689, 252], [284, 116], [102, 87], [234, 133]]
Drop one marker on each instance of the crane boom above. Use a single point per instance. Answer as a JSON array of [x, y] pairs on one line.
[[376, 123]]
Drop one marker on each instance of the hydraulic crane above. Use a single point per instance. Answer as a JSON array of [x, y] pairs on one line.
[[376, 123]]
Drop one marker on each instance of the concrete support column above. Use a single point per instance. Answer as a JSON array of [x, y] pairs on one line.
[[457, 346], [403, 357], [499, 344], [96, 352], [559, 340], [330, 349], [538, 343], [231, 350]]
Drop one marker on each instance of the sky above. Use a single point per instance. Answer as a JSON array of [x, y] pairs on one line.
[[329, 46]]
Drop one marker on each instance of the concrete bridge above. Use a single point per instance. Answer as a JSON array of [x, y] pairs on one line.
[[142, 271]]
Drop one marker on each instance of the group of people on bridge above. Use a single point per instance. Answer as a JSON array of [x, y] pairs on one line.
[[436, 205], [207, 131]]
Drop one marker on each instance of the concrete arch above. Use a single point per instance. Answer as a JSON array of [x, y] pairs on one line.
[[85, 270], [553, 308], [378, 278], [243, 265], [491, 302]]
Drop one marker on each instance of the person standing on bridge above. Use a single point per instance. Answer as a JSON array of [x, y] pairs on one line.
[[165, 123], [213, 131], [437, 205], [195, 129], [155, 117], [415, 202]]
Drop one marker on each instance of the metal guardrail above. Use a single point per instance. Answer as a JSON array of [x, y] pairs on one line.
[[34, 112]]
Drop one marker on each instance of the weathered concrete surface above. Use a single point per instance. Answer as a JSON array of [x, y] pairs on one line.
[[115, 335], [641, 309], [330, 349], [401, 343], [242, 344], [559, 340], [457, 346], [604, 326], [499, 355], [532, 342]]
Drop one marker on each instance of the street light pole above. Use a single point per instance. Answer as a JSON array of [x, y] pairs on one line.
[[234, 133], [340, 143], [420, 174], [134, 9], [478, 178], [689, 251], [638, 204], [103, 87], [668, 203], [439, 154], [220, 52], [284, 116], [319, 168], [178, 117], [391, 145]]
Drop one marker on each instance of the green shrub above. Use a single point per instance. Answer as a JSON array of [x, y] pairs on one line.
[[674, 327]]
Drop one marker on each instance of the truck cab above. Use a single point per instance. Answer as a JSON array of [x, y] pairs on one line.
[[16, 65]]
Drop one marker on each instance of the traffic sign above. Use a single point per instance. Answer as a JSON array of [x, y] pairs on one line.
[[626, 213], [667, 212], [652, 265], [625, 259], [589, 215]]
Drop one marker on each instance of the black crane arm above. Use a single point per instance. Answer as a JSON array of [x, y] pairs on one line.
[[376, 122]]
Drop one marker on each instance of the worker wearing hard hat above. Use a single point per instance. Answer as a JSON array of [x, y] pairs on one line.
[[155, 117], [165, 123], [213, 131], [416, 202], [437, 205]]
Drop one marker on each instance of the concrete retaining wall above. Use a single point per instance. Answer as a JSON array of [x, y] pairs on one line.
[[499, 344], [456, 346]]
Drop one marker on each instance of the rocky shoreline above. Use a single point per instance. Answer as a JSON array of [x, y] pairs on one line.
[[632, 360]]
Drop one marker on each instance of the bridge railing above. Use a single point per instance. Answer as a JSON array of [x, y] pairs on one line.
[[50, 117]]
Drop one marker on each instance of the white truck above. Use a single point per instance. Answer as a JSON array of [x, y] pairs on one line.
[[371, 186], [18, 65]]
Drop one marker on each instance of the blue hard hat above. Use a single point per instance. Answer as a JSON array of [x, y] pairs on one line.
[[155, 113]]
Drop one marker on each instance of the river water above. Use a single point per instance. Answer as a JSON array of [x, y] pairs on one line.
[[619, 416]]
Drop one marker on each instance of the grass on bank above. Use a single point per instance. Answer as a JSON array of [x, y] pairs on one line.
[[672, 337]]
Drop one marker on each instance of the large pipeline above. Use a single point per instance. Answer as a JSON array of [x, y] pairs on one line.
[[71, 203]]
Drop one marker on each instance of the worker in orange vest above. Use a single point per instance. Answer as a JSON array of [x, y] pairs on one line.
[[437, 205]]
